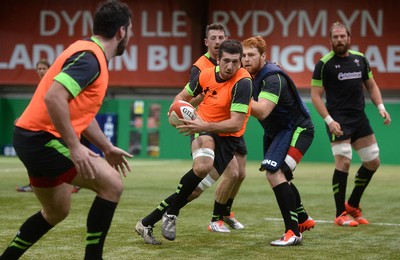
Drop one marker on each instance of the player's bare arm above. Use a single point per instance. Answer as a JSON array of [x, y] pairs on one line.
[[376, 97], [56, 101], [316, 97], [183, 95], [262, 108]]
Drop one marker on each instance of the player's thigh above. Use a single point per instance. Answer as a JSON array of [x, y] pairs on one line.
[[203, 141], [364, 142], [107, 182], [368, 151]]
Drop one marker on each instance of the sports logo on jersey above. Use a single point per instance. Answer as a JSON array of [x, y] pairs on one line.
[[337, 66], [357, 61], [349, 75], [213, 93]]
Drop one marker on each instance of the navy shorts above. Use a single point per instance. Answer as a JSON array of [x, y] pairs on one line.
[[45, 156], [276, 147]]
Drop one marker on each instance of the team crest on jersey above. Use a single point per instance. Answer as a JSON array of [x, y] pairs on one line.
[[357, 61]]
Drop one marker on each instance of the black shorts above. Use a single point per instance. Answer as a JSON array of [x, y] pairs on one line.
[[45, 156], [354, 127], [241, 148], [225, 148]]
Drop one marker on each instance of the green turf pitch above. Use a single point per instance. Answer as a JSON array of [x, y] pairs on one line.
[[153, 180]]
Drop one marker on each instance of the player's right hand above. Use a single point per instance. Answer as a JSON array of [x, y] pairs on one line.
[[83, 159], [335, 128]]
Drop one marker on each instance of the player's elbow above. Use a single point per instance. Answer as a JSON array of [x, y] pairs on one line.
[[236, 129], [49, 99], [259, 115]]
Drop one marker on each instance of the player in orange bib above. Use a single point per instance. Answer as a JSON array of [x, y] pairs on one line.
[[47, 135], [222, 118], [216, 133], [229, 185]]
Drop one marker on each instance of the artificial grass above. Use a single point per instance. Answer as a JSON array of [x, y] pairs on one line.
[[255, 206]]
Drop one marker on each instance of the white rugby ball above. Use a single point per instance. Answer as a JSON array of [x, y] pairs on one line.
[[180, 110]]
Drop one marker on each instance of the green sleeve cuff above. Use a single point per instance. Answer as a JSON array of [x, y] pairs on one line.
[[69, 83], [239, 108], [316, 83], [269, 96]]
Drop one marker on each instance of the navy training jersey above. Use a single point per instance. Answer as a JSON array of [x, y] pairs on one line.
[[342, 78], [273, 84]]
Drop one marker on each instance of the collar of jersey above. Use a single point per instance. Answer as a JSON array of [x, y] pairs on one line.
[[93, 38]]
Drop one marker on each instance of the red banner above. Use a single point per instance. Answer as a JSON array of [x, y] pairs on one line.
[[160, 53], [297, 32]]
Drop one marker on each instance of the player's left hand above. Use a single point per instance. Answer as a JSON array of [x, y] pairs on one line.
[[192, 126], [116, 157], [386, 116]]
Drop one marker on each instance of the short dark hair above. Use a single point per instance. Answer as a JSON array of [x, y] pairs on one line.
[[230, 46], [44, 62], [214, 26], [109, 17]]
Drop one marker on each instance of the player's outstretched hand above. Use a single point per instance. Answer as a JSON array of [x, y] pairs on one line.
[[116, 157]]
